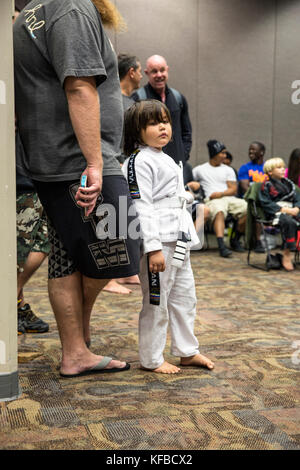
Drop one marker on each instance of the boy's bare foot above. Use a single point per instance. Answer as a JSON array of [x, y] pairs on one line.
[[198, 360], [287, 262], [115, 288], [165, 368]]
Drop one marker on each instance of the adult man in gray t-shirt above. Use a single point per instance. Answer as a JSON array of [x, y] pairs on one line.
[[65, 65]]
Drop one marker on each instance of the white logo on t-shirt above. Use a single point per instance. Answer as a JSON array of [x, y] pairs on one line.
[[34, 24]]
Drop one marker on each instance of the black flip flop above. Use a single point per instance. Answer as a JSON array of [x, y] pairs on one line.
[[98, 369]]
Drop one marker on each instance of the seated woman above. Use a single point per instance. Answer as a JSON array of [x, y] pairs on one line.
[[281, 202], [293, 170]]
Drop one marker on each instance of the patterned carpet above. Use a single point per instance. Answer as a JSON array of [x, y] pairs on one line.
[[248, 323]]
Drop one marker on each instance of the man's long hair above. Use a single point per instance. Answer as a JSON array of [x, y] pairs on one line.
[[110, 15]]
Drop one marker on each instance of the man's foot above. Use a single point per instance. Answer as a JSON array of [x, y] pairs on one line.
[[115, 288], [165, 368], [76, 367], [198, 360], [130, 280], [236, 246], [31, 322], [225, 252]]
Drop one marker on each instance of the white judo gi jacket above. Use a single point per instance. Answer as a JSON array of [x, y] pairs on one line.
[[162, 204], [162, 214]]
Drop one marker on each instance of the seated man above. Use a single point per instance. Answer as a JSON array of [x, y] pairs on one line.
[[281, 202], [220, 187], [253, 172]]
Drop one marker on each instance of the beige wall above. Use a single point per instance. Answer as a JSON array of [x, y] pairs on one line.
[[234, 60]]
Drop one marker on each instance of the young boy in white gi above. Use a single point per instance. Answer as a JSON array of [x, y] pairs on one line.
[[167, 281]]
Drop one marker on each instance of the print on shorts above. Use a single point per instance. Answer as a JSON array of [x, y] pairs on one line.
[[110, 253], [59, 264]]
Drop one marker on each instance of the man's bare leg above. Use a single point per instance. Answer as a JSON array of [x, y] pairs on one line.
[[91, 290], [33, 262], [66, 297], [219, 225], [241, 225], [287, 261]]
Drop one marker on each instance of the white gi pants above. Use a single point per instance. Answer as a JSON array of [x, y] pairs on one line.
[[177, 307]]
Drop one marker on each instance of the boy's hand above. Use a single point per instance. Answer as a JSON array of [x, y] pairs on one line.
[[293, 211], [156, 261]]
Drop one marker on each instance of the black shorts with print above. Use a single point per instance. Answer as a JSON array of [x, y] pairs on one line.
[[74, 243]]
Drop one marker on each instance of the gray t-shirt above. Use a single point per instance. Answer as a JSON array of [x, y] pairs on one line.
[[54, 39]]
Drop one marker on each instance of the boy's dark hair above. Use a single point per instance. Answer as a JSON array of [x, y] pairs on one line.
[[125, 63], [137, 118]]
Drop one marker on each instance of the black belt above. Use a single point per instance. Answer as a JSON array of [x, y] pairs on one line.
[[154, 287], [131, 177]]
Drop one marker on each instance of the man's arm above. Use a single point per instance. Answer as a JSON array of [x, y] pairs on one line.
[[84, 110], [230, 191], [243, 178], [244, 185]]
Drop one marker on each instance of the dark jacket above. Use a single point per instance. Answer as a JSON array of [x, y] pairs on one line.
[[273, 191], [180, 146]]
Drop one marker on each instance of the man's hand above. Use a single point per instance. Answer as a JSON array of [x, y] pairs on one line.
[[156, 261], [87, 197]]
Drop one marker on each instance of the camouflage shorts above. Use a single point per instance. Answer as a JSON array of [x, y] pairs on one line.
[[32, 233]]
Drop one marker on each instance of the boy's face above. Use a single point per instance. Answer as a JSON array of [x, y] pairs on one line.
[[158, 134], [277, 173]]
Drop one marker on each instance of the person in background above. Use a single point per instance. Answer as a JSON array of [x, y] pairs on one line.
[[130, 73], [32, 235], [292, 172], [228, 161], [157, 71], [252, 172], [220, 188], [281, 202]]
